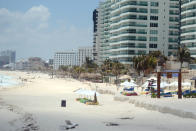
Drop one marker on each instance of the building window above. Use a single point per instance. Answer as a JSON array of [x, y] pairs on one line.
[[156, 4], [153, 17], [153, 31], [173, 19], [170, 53], [152, 45], [154, 11], [141, 52], [153, 39], [153, 24], [143, 17]]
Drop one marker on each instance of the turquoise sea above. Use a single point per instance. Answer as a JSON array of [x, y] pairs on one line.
[[6, 81]]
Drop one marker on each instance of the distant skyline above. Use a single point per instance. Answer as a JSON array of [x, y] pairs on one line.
[[42, 27]]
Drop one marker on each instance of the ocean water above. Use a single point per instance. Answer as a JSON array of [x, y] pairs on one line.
[[6, 81]]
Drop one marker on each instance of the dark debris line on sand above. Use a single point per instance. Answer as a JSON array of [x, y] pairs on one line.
[[111, 124], [68, 125], [127, 118], [29, 123], [116, 124]]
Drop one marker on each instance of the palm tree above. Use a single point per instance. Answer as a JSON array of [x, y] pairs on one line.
[[90, 66], [144, 63], [63, 68], [77, 70], [183, 54], [106, 68], [138, 63], [117, 68], [161, 59], [150, 63], [156, 54]]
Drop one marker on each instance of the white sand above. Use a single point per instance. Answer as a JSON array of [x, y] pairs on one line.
[[38, 103]]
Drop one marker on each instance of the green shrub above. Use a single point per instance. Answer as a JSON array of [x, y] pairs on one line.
[[153, 95], [191, 95]]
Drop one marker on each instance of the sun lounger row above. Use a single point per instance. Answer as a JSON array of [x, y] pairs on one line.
[[131, 93], [189, 94]]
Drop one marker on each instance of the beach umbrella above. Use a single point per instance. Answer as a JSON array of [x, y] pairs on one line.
[[174, 83], [183, 84], [132, 81], [186, 84], [86, 92], [162, 84], [152, 78], [145, 84], [128, 84], [80, 91], [91, 93], [125, 77]]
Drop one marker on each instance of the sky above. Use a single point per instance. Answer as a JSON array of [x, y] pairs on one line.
[[39, 28]]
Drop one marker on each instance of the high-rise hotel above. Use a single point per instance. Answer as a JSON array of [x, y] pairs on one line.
[[127, 28], [188, 25]]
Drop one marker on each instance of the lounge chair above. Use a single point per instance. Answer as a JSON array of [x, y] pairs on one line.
[[128, 89]]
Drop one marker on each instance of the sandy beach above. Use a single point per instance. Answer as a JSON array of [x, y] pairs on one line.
[[35, 105]]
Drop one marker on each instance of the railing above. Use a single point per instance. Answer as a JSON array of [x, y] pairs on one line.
[[122, 47], [187, 1]]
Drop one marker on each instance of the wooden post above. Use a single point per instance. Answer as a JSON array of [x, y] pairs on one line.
[[195, 83], [158, 84], [180, 85]]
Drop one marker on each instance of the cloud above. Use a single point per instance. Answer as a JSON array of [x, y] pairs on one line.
[[31, 33], [37, 13]]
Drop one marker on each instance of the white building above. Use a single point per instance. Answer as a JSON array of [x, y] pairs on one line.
[[33, 64], [69, 58], [21, 65], [133, 27], [83, 53], [188, 25]]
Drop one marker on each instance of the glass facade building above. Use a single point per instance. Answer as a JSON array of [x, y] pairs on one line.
[[135, 27], [188, 25]]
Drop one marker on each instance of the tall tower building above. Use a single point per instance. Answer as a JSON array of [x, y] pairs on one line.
[[7, 57], [95, 35], [188, 25], [134, 27], [104, 29]]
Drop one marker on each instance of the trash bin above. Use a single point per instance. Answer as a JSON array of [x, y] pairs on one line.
[[63, 103]]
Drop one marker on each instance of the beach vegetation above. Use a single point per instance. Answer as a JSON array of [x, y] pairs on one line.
[[90, 66], [144, 64], [183, 54], [76, 71], [112, 68], [106, 68], [117, 69]]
